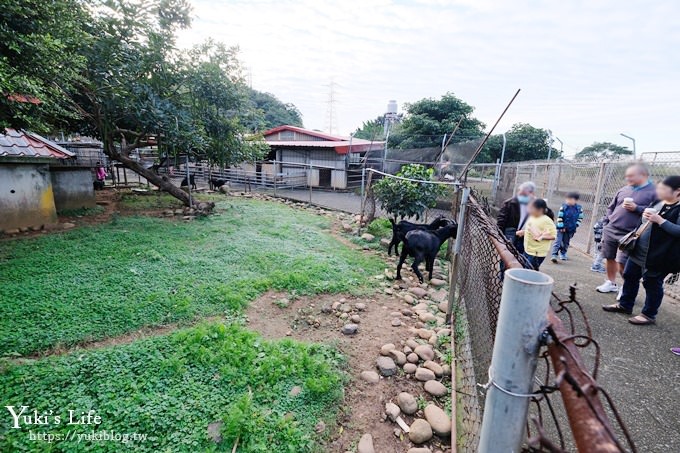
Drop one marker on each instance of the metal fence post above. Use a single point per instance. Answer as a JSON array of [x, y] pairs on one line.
[[363, 180], [596, 202], [453, 275], [310, 183], [521, 321]]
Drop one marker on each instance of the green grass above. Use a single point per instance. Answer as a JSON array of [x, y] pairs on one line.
[[102, 281], [171, 387], [81, 212], [380, 228]]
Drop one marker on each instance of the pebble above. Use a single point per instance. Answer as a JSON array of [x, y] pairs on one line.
[[326, 308], [427, 317], [345, 308], [412, 358], [435, 388], [440, 295], [350, 329], [423, 374], [438, 420], [406, 312], [386, 366], [366, 444], [396, 322], [370, 376], [355, 319], [368, 237], [385, 242], [420, 306], [392, 411], [409, 299], [347, 227], [389, 291], [320, 427], [335, 305], [420, 431], [418, 292], [407, 350], [386, 348], [433, 340], [425, 334], [410, 368], [407, 403], [443, 306], [360, 306], [424, 351], [398, 356], [446, 369], [396, 314], [343, 316]]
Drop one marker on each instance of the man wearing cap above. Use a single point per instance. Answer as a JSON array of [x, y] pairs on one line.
[[623, 216]]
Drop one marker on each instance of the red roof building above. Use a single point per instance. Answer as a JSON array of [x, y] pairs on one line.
[[325, 159]]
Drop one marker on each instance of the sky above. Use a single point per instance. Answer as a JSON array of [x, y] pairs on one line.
[[588, 70]]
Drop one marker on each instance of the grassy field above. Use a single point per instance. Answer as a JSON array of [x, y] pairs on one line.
[[106, 280], [101, 281]]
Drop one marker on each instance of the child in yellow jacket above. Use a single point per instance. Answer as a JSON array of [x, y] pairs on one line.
[[539, 231]]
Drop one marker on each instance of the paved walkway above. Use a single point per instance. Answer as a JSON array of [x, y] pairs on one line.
[[637, 369]]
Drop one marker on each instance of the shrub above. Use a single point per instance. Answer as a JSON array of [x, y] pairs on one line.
[[406, 198]]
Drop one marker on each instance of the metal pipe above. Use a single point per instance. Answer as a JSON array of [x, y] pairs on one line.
[[634, 147], [453, 275], [521, 323]]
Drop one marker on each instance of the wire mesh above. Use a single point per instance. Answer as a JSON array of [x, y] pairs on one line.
[[477, 282]]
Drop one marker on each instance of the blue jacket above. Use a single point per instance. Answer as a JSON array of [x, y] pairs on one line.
[[569, 217]]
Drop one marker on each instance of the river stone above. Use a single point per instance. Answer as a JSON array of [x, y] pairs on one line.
[[433, 339], [407, 350], [425, 334], [424, 351], [418, 292], [350, 329], [435, 367], [386, 348], [345, 308], [412, 358], [386, 366], [368, 237], [398, 356], [440, 295], [435, 388], [366, 444], [437, 282], [396, 322], [438, 420], [355, 319], [407, 403], [420, 431], [385, 242], [427, 317], [420, 307], [392, 411], [370, 376], [409, 299], [446, 369], [406, 312], [423, 374], [411, 343], [410, 368], [360, 306]]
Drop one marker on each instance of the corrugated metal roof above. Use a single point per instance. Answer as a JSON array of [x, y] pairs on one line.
[[27, 144]]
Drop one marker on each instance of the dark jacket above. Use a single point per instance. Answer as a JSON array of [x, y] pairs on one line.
[[664, 243], [569, 217], [508, 216]]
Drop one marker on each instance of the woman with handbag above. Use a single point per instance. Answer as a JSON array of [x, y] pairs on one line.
[[654, 253]]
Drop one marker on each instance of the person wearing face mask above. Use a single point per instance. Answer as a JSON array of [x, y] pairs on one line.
[[514, 214]]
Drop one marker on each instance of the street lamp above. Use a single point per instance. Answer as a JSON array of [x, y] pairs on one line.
[[633, 140]]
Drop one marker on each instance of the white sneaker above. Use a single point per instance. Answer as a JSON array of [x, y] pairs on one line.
[[608, 287], [618, 296]]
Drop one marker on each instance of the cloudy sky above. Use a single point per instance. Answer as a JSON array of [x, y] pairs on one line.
[[588, 70]]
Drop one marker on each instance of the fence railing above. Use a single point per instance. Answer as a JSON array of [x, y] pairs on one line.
[[481, 255]]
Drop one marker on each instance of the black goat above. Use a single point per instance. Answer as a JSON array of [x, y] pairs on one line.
[[217, 183], [423, 245], [400, 229], [191, 180]]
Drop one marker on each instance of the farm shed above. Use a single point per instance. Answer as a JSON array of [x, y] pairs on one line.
[[36, 181], [295, 150]]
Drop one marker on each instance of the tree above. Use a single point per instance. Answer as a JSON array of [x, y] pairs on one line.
[[138, 86], [523, 142], [372, 129], [39, 61], [267, 112], [599, 151], [404, 198], [426, 121]]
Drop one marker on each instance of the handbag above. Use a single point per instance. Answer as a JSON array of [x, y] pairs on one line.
[[628, 243]]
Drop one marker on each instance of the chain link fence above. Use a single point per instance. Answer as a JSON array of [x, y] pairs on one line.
[[481, 257]]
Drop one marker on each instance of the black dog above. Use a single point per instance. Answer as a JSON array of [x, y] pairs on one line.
[[191, 179], [217, 183]]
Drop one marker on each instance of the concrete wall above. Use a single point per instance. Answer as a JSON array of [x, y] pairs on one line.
[[26, 196], [73, 188]]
